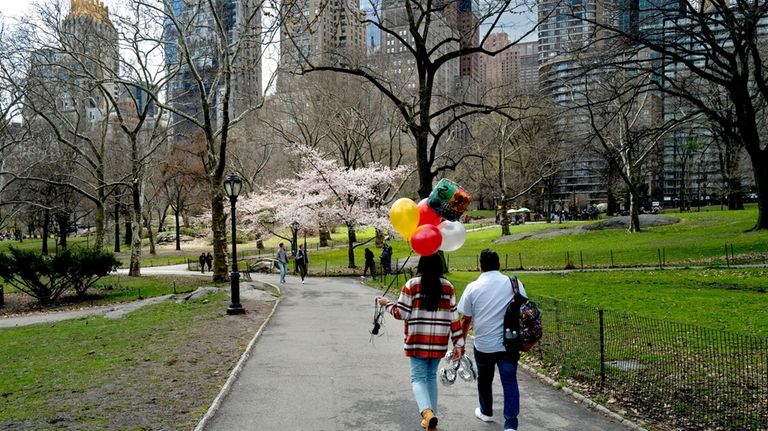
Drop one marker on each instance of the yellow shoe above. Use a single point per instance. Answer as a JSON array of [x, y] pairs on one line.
[[429, 420]]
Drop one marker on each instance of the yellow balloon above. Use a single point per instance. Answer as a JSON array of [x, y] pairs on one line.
[[404, 216]]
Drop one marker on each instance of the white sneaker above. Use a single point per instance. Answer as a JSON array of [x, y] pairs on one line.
[[482, 417], [302, 281]]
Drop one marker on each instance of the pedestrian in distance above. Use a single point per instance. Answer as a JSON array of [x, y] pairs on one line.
[[301, 262], [386, 259], [369, 263], [427, 303], [483, 305], [201, 261], [209, 261], [282, 261]]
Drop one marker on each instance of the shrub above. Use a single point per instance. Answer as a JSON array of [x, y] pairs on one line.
[[88, 265], [46, 278]]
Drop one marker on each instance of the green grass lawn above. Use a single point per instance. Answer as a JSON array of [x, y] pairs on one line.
[[96, 373], [699, 239], [735, 300]]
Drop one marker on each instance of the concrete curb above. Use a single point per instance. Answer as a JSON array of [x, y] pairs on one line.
[[582, 399], [238, 368]]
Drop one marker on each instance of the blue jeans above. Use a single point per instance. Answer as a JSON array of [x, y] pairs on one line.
[[424, 382], [283, 270], [507, 363]]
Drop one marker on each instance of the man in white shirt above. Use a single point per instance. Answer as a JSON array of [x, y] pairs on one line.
[[484, 301]]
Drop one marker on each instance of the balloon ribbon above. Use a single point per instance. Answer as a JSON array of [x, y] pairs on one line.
[[378, 310]]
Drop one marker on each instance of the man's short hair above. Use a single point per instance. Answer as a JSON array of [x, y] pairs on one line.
[[489, 260]]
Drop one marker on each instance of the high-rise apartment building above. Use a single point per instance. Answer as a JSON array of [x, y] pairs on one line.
[[242, 30], [561, 36], [463, 18], [397, 63], [74, 79], [321, 33], [512, 71]]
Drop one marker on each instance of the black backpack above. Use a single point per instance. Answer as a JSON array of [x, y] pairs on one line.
[[522, 322]]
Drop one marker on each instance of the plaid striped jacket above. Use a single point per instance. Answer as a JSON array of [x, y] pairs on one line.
[[427, 332]]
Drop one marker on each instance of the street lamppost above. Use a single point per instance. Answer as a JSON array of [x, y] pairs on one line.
[[232, 186]]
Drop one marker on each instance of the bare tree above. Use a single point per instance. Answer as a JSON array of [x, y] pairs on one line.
[[625, 118], [220, 65], [423, 45], [60, 96], [515, 161], [709, 44]]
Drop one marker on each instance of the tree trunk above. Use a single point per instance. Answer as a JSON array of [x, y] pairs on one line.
[[178, 230], [325, 236], [128, 232], [504, 216], [136, 227], [46, 223], [63, 222], [351, 246], [161, 215], [117, 228], [634, 211], [151, 236], [379, 238], [735, 200], [759, 164], [218, 228], [98, 240], [424, 167]]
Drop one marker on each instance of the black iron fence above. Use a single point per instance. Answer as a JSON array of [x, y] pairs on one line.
[[686, 376], [601, 259]]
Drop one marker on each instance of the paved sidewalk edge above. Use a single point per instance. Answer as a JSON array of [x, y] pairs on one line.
[[581, 398], [238, 368]]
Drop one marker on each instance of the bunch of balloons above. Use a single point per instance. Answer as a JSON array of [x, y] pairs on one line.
[[432, 224]]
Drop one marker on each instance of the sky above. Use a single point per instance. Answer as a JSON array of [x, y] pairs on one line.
[[14, 7]]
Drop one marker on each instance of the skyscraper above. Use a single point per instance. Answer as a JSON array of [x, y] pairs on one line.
[[562, 39], [319, 32], [241, 36], [74, 79], [512, 71]]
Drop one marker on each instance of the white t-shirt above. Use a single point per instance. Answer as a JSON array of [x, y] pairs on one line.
[[486, 300]]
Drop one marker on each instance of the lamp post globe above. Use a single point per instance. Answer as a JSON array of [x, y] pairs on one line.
[[233, 185]]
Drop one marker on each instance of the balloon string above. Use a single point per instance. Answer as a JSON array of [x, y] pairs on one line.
[[378, 310]]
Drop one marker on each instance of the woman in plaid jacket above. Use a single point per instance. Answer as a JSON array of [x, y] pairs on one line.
[[427, 305]]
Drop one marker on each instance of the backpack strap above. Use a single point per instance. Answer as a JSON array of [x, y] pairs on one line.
[[516, 295]]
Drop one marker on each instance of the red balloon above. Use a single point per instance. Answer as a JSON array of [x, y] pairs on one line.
[[426, 240], [427, 215]]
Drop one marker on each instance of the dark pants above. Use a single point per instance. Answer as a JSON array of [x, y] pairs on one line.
[[486, 368], [302, 268], [370, 264]]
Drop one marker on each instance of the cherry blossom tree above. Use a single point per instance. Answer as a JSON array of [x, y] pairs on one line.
[[322, 194]]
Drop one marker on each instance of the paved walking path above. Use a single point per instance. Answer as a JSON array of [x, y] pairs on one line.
[[315, 368]]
